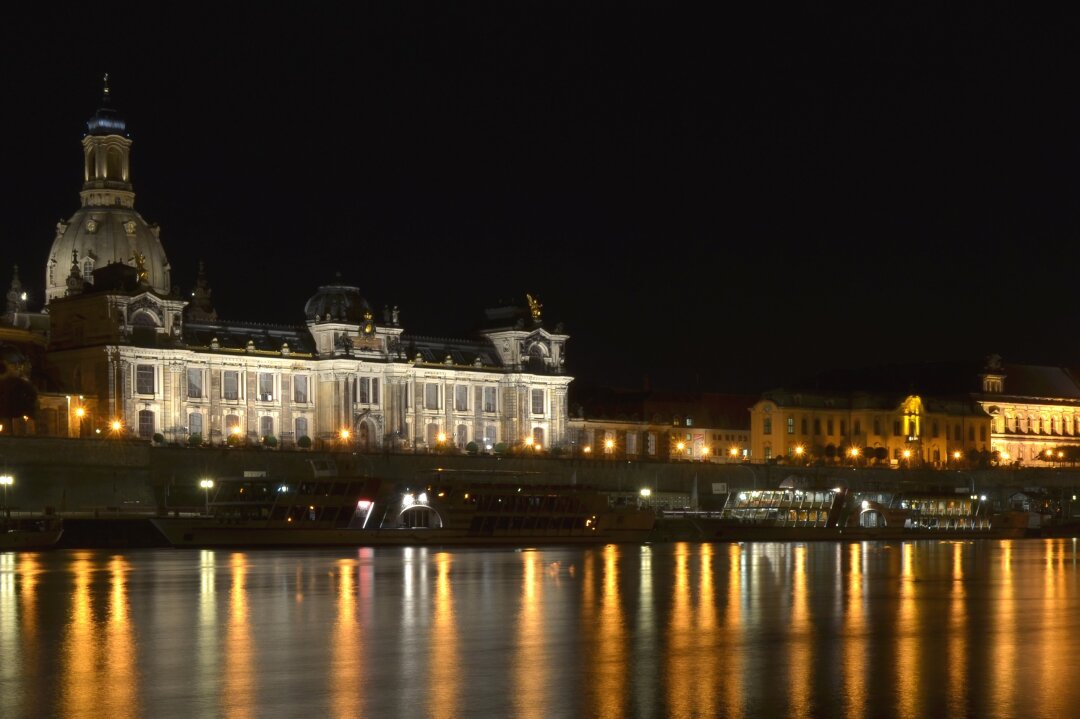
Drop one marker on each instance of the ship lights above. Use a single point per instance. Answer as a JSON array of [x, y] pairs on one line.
[[422, 498], [408, 500]]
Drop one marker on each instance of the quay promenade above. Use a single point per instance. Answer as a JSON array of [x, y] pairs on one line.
[[117, 476]]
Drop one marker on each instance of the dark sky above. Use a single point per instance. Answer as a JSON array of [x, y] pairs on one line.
[[718, 201]]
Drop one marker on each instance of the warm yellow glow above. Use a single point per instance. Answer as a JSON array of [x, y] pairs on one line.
[[734, 451], [80, 412], [680, 446], [1005, 456], [956, 454], [907, 454], [6, 480], [587, 449], [235, 430], [344, 434], [116, 425], [854, 452], [528, 441], [704, 451], [538, 446], [609, 444], [1060, 454], [1048, 453], [206, 483], [799, 450], [440, 437], [646, 492]]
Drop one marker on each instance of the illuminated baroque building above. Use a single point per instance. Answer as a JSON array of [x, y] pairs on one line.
[[161, 364], [1016, 413]]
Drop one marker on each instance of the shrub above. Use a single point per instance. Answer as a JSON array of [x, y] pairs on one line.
[[304, 442], [269, 441], [472, 448], [194, 440], [556, 451], [500, 448], [159, 438]]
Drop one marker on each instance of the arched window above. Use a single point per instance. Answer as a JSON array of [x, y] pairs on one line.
[[88, 270], [432, 435], [461, 436], [114, 161], [146, 424], [538, 436], [301, 427]]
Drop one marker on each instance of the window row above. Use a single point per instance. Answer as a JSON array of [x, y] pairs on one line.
[[266, 425], [906, 427], [484, 397]]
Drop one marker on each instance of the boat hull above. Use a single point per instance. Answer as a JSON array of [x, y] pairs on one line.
[[26, 534], [203, 532]]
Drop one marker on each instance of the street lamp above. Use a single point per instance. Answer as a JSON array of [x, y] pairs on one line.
[[907, 457], [6, 480], [207, 485]]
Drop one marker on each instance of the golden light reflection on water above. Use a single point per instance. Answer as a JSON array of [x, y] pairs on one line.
[[80, 688], [1004, 627], [345, 680], [729, 678], [11, 665], [680, 675], [855, 636], [237, 688], [957, 635], [121, 699], [530, 668], [608, 651], [1055, 661], [801, 633], [707, 636], [908, 680], [444, 694]]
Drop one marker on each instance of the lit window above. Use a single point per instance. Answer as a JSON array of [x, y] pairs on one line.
[[230, 384], [194, 383], [300, 389], [538, 401]]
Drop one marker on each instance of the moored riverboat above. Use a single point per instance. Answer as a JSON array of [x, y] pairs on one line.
[[802, 514], [440, 508], [30, 532]]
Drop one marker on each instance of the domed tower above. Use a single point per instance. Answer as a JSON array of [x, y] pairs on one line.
[[106, 229], [337, 314]]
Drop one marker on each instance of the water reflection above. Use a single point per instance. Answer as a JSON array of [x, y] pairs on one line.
[[970, 629]]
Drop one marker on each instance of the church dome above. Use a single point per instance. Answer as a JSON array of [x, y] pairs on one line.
[[106, 229], [342, 303]]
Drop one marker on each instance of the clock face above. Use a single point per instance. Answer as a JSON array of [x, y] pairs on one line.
[[129, 226], [91, 225]]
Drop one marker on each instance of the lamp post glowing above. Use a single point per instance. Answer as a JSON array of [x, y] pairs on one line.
[[6, 480], [609, 445], [207, 484]]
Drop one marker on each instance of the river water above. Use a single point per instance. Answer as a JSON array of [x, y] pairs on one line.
[[875, 629]]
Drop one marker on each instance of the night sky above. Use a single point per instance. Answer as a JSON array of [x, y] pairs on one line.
[[722, 202]]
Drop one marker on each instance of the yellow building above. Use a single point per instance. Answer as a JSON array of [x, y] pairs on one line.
[[858, 427]]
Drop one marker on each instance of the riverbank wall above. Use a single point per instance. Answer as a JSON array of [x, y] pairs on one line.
[[118, 476]]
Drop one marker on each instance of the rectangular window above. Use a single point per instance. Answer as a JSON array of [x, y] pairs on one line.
[[431, 396], [934, 429], [266, 387], [982, 433], [766, 426], [817, 425], [300, 389], [650, 444], [266, 426], [489, 399], [538, 401], [489, 436], [144, 379], [363, 390], [791, 425], [858, 426], [194, 383], [896, 428], [631, 443], [829, 426], [461, 397], [768, 452], [802, 425], [374, 390], [301, 427], [195, 423], [230, 384], [843, 428], [877, 426]]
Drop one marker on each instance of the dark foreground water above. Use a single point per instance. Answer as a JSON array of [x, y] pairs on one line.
[[918, 629]]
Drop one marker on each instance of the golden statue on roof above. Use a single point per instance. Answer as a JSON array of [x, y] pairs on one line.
[[140, 266], [534, 307]]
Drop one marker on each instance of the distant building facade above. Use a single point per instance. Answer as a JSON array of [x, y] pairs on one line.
[[1015, 413], [652, 425], [153, 363]]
